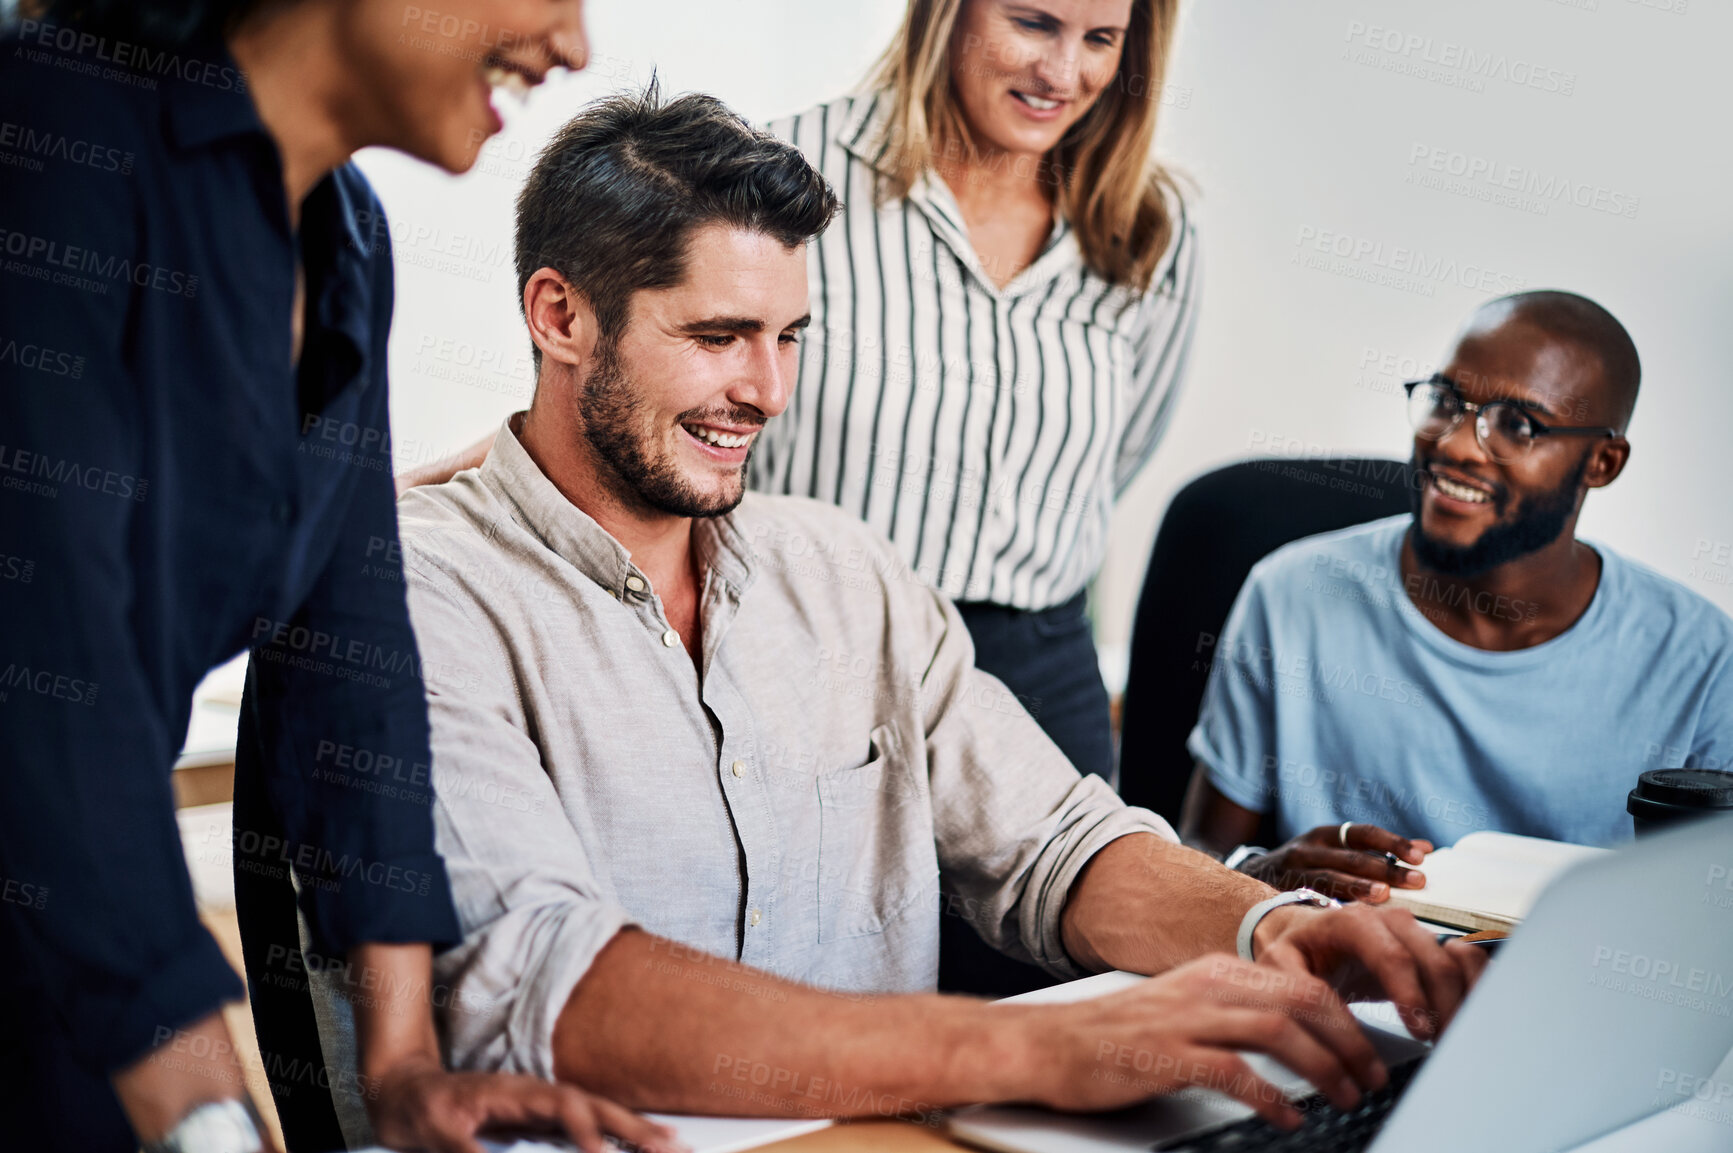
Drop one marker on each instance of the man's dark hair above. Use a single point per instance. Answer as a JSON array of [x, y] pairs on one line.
[[615, 197], [1582, 322]]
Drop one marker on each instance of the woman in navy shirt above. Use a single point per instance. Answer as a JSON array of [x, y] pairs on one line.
[[195, 294]]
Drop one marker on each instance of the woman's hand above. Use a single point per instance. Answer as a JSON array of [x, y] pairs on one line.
[[1351, 867], [193, 1066], [445, 468], [415, 1104], [418, 1105]]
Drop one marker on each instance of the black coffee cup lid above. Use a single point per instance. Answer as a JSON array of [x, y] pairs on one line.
[[1686, 788]]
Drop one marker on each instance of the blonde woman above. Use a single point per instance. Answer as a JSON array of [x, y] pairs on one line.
[[1000, 320]]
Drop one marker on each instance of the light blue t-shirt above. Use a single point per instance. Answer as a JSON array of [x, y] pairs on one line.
[[1332, 698]]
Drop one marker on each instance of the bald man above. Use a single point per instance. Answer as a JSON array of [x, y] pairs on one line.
[[1472, 666]]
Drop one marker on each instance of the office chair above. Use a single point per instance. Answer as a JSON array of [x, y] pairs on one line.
[[1216, 529], [277, 992]]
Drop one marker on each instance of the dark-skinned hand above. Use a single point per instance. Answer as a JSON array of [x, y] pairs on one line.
[[1358, 871]]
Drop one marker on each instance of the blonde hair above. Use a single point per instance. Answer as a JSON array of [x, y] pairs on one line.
[[1108, 184]]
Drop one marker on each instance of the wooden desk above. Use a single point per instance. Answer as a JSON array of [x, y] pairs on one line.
[[873, 1136], [239, 1018], [204, 781]]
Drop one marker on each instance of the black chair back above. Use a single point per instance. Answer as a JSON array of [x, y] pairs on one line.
[[277, 988], [1216, 529]]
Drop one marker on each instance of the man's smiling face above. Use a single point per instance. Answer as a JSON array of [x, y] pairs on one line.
[[674, 403], [1474, 512]]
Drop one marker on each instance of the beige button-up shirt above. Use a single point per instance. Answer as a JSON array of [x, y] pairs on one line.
[[831, 777]]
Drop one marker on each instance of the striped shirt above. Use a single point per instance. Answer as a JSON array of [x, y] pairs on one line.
[[985, 431]]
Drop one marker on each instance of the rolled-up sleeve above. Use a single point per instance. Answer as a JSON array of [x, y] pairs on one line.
[[1015, 823], [533, 914]]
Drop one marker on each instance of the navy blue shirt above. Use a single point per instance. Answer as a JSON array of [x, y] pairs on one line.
[[173, 491]]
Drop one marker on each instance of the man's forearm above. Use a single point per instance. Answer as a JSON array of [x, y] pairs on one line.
[[391, 991], [1145, 904], [657, 1025]]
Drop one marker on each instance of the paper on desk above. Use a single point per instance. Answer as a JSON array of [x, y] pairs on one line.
[[703, 1134], [1082, 989]]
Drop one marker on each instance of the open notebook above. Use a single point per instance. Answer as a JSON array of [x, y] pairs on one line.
[[1489, 880]]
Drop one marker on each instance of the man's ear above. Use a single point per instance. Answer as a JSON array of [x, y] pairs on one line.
[[1606, 462], [560, 319]]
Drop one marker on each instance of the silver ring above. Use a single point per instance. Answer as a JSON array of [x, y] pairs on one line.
[[1342, 833]]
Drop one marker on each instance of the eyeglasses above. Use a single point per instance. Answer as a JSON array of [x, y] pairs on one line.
[[1504, 429]]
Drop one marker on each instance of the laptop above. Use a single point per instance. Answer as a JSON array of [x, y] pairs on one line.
[[1609, 1012]]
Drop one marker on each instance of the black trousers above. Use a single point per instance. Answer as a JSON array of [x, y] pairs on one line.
[[1046, 657]]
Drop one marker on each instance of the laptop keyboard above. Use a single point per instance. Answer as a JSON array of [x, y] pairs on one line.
[[1324, 1129]]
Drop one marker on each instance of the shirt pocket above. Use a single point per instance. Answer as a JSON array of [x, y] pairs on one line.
[[875, 848]]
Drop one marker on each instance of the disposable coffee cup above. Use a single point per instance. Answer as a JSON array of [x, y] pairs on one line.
[[1666, 798]]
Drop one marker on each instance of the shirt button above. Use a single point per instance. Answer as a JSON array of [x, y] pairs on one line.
[[670, 638], [282, 512], [636, 584], [739, 768], [754, 918]]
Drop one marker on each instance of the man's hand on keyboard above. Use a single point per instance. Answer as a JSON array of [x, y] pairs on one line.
[[1181, 1030], [1374, 953]]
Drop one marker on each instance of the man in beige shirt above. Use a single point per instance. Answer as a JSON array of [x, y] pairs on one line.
[[710, 770]]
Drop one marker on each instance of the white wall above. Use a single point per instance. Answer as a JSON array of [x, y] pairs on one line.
[[1301, 121]]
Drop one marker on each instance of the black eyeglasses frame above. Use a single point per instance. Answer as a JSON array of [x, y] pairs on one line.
[[1467, 408]]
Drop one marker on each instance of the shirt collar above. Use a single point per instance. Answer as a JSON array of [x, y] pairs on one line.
[[342, 266], [206, 98], [215, 104], [863, 129], [206, 102], [571, 533], [865, 133]]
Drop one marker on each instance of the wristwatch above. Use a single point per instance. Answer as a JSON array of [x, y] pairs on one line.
[[1238, 858], [1249, 923], [229, 1126]]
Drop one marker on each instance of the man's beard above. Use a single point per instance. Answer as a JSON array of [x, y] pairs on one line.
[[645, 477], [1539, 520]]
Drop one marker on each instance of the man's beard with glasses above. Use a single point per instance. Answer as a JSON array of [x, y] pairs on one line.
[[1537, 522], [646, 476]]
